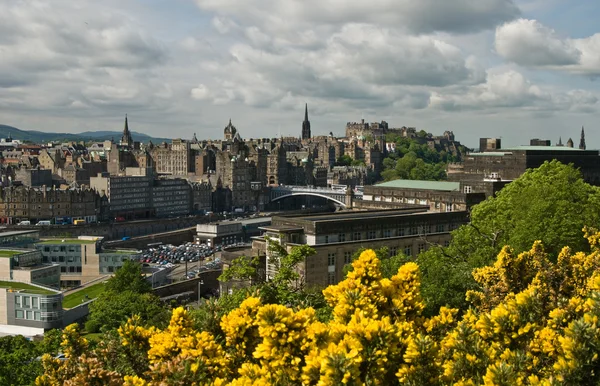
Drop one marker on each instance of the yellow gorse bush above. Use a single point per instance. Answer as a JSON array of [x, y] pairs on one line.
[[533, 322]]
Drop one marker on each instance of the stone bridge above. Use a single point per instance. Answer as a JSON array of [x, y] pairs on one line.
[[342, 197]]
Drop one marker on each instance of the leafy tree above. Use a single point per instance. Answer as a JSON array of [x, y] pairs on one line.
[[129, 278], [18, 363], [551, 203], [344, 160], [243, 268]]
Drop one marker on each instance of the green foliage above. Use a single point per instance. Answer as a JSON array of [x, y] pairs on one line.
[[127, 293], [344, 160], [551, 204], [129, 278], [18, 363], [51, 342], [113, 308], [415, 161], [242, 268]]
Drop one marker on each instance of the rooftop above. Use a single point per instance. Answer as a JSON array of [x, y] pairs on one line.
[[281, 228], [28, 288], [18, 233], [11, 252], [544, 148], [421, 185], [67, 241], [490, 154]]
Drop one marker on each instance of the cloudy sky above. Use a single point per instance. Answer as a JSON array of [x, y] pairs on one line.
[[515, 69]]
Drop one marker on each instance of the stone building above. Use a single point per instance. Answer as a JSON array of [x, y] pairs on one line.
[[175, 159], [21, 203], [201, 196], [509, 164], [34, 177], [337, 236]]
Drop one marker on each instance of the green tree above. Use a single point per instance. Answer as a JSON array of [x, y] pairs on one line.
[[344, 160], [18, 361], [551, 203], [113, 308], [129, 278], [244, 268]]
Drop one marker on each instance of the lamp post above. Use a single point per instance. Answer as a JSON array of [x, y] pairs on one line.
[[199, 293]]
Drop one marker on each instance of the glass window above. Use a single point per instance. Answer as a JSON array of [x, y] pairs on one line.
[[347, 257], [26, 302], [331, 278], [19, 314], [29, 315], [18, 301], [331, 259], [408, 251], [342, 237], [34, 302], [37, 315]]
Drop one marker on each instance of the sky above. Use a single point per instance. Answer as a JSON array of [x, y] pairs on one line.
[[515, 69]]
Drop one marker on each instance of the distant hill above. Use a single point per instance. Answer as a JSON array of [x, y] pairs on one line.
[[43, 137]]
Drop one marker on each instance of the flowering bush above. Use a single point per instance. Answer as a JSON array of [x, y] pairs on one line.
[[533, 322]]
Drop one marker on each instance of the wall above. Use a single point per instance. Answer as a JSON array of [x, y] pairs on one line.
[[74, 314]]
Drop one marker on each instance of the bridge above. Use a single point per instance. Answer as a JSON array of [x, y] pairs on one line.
[[338, 195]]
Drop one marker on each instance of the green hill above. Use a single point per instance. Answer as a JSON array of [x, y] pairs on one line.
[[42, 137]]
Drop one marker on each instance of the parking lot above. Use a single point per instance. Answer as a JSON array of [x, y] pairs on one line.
[[196, 258]]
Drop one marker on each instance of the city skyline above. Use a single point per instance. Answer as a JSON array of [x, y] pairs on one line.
[[510, 69]]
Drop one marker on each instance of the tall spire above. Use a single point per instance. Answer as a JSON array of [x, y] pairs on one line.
[[582, 140], [306, 124], [126, 138]]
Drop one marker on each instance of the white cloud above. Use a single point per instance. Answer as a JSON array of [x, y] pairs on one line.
[[509, 89], [530, 43], [200, 93], [422, 16]]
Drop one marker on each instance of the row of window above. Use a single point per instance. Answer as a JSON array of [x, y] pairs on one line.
[[414, 230], [63, 248]]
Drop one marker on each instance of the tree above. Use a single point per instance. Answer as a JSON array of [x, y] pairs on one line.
[[129, 278], [243, 268], [18, 363], [111, 309], [534, 322], [551, 204], [344, 160]]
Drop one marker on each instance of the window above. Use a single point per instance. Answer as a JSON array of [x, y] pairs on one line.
[[449, 207], [37, 315], [393, 251], [421, 247], [34, 302], [440, 228], [63, 269], [63, 248], [19, 314], [26, 302], [331, 259], [330, 277], [18, 301], [29, 315], [342, 237], [326, 239], [356, 236], [371, 235], [408, 251], [347, 257], [468, 189], [46, 249], [400, 231], [70, 259], [61, 259], [78, 269], [387, 233]]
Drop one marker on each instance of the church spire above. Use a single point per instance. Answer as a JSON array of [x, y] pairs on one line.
[[306, 124], [126, 138], [582, 140]]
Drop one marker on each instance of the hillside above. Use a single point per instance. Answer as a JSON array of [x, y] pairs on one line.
[[42, 137]]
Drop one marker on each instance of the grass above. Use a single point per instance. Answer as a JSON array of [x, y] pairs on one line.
[[9, 253], [66, 241], [76, 298], [26, 288]]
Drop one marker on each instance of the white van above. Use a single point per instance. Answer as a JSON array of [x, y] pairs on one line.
[[24, 223], [43, 222]]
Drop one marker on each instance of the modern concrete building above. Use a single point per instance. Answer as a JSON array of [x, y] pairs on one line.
[[336, 236], [128, 196], [171, 197], [82, 260], [221, 233]]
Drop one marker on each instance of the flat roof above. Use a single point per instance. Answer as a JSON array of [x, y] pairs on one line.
[[552, 148], [18, 233], [256, 220], [67, 241], [422, 185], [363, 215], [281, 228], [27, 288], [13, 252], [490, 153]]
